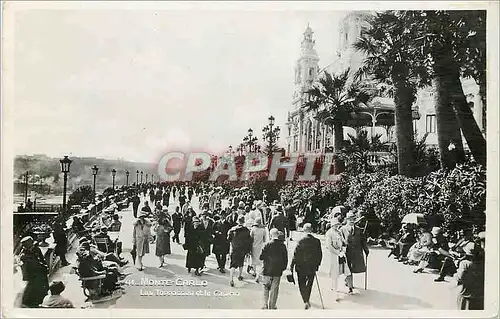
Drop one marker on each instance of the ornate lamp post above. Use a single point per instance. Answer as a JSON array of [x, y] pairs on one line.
[[113, 174], [65, 164], [146, 178], [95, 169], [250, 140], [141, 176], [271, 135], [127, 173], [137, 178]]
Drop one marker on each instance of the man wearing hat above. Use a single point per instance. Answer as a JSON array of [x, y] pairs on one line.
[[306, 261], [311, 213], [355, 241], [275, 258], [35, 271], [279, 221], [455, 254], [470, 279]]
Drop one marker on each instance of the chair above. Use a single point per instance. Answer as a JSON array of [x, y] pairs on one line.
[[103, 244], [91, 286]]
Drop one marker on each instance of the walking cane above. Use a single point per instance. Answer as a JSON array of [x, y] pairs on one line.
[[366, 258], [319, 290]]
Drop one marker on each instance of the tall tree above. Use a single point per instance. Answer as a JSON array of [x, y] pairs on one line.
[[389, 61], [452, 44], [333, 98]]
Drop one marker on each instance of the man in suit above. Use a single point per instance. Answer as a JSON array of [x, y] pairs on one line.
[[135, 204], [206, 237], [279, 221], [306, 260]]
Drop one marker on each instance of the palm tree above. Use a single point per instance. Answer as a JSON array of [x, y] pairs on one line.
[[389, 61], [333, 98], [452, 44]]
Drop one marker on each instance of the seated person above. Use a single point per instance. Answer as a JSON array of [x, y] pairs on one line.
[[405, 242], [422, 246], [455, 254], [89, 266], [77, 225], [116, 224], [438, 250], [112, 208], [103, 234], [109, 259], [55, 300], [393, 243]]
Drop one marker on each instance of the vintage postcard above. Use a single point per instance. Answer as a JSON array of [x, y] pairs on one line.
[[244, 159]]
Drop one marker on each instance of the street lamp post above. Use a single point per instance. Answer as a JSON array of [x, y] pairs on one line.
[[137, 178], [271, 135], [26, 188], [141, 176], [113, 174], [127, 173], [250, 140], [146, 178], [65, 164], [95, 169]]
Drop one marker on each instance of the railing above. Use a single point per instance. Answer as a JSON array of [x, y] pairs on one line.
[[380, 158]]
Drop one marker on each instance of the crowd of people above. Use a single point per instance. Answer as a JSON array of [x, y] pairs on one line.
[[245, 230], [461, 255]]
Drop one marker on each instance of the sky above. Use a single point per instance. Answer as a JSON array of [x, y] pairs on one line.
[[133, 84]]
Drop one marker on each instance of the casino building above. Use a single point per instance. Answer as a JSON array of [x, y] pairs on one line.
[[306, 134]]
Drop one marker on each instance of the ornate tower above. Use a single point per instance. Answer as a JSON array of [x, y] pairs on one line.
[[306, 72], [306, 69]]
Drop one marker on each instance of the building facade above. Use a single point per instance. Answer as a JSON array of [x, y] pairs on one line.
[[306, 134]]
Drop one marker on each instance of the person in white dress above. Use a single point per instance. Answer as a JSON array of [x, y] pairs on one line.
[[334, 244], [259, 235]]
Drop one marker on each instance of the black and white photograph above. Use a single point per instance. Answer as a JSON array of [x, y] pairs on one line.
[[257, 158]]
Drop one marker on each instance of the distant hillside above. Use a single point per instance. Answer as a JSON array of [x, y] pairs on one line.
[[48, 171]]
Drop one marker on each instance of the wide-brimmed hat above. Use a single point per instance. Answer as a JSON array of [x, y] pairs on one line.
[[142, 214], [26, 238], [469, 249], [436, 230]]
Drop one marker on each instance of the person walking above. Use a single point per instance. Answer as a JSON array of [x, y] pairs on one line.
[[306, 261], [35, 273], [356, 245], [334, 245], [195, 255], [221, 244], [241, 245], [162, 230], [207, 230], [135, 204], [279, 221], [177, 224], [275, 259], [259, 238], [140, 238], [61, 241]]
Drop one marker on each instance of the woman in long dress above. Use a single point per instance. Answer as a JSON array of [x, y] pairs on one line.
[[163, 229], [195, 254], [259, 236], [334, 244], [140, 238]]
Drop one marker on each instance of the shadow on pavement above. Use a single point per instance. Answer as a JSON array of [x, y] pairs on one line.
[[384, 300]]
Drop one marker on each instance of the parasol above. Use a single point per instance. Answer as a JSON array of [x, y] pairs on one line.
[[414, 218]]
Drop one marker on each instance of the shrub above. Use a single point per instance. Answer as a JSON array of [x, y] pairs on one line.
[[81, 194]]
